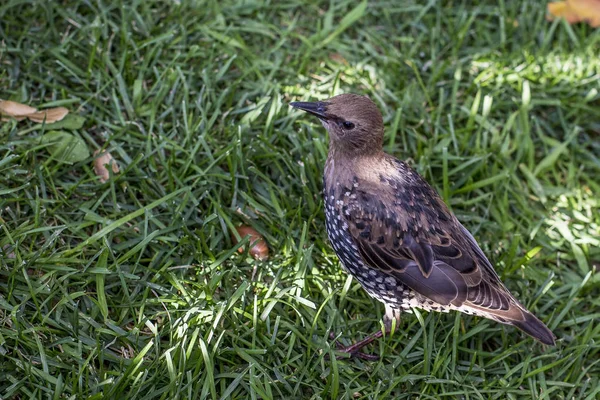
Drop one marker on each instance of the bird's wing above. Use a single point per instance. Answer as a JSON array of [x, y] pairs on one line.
[[415, 238]]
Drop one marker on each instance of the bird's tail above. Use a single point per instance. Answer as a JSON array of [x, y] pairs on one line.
[[535, 328], [519, 317]]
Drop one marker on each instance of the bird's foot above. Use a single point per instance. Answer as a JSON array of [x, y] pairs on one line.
[[354, 350]]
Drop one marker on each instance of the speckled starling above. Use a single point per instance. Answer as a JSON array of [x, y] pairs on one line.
[[394, 234]]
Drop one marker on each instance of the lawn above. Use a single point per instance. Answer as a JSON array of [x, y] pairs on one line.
[[133, 288]]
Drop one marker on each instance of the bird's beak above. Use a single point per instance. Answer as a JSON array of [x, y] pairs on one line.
[[317, 108]]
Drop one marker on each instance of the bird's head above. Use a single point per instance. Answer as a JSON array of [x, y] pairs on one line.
[[354, 123]]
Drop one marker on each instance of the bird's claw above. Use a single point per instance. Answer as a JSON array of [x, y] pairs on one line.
[[352, 350]]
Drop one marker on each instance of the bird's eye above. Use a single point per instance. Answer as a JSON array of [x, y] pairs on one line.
[[348, 125]]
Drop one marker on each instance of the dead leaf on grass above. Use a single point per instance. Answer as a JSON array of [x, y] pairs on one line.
[[100, 163], [51, 115], [574, 11], [19, 111], [258, 246], [15, 110]]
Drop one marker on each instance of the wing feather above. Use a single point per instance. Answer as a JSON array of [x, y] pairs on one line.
[[434, 256]]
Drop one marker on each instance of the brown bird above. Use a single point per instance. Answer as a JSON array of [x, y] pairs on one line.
[[394, 234]]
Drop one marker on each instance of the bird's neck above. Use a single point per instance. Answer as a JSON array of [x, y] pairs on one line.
[[341, 169]]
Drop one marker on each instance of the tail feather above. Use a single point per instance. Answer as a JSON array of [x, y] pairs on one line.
[[519, 317], [535, 328]]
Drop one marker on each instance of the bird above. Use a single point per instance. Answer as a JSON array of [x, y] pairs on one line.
[[395, 235]]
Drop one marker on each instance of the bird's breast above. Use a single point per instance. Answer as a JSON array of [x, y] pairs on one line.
[[383, 287]]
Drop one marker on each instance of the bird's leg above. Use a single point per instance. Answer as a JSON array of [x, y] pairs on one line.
[[353, 349], [391, 318], [391, 315]]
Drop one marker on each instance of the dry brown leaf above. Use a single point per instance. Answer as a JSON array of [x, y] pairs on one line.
[[574, 11], [51, 115], [100, 162], [561, 9], [21, 111], [6, 119], [16, 110], [338, 58], [258, 245]]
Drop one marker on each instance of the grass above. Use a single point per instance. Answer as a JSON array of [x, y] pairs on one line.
[[133, 288]]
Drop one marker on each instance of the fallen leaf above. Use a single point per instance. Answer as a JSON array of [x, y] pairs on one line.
[[338, 58], [12, 109], [6, 119], [574, 11], [51, 115], [16, 110], [65, 147], [561, 9], [100, 163], [258, 245]]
